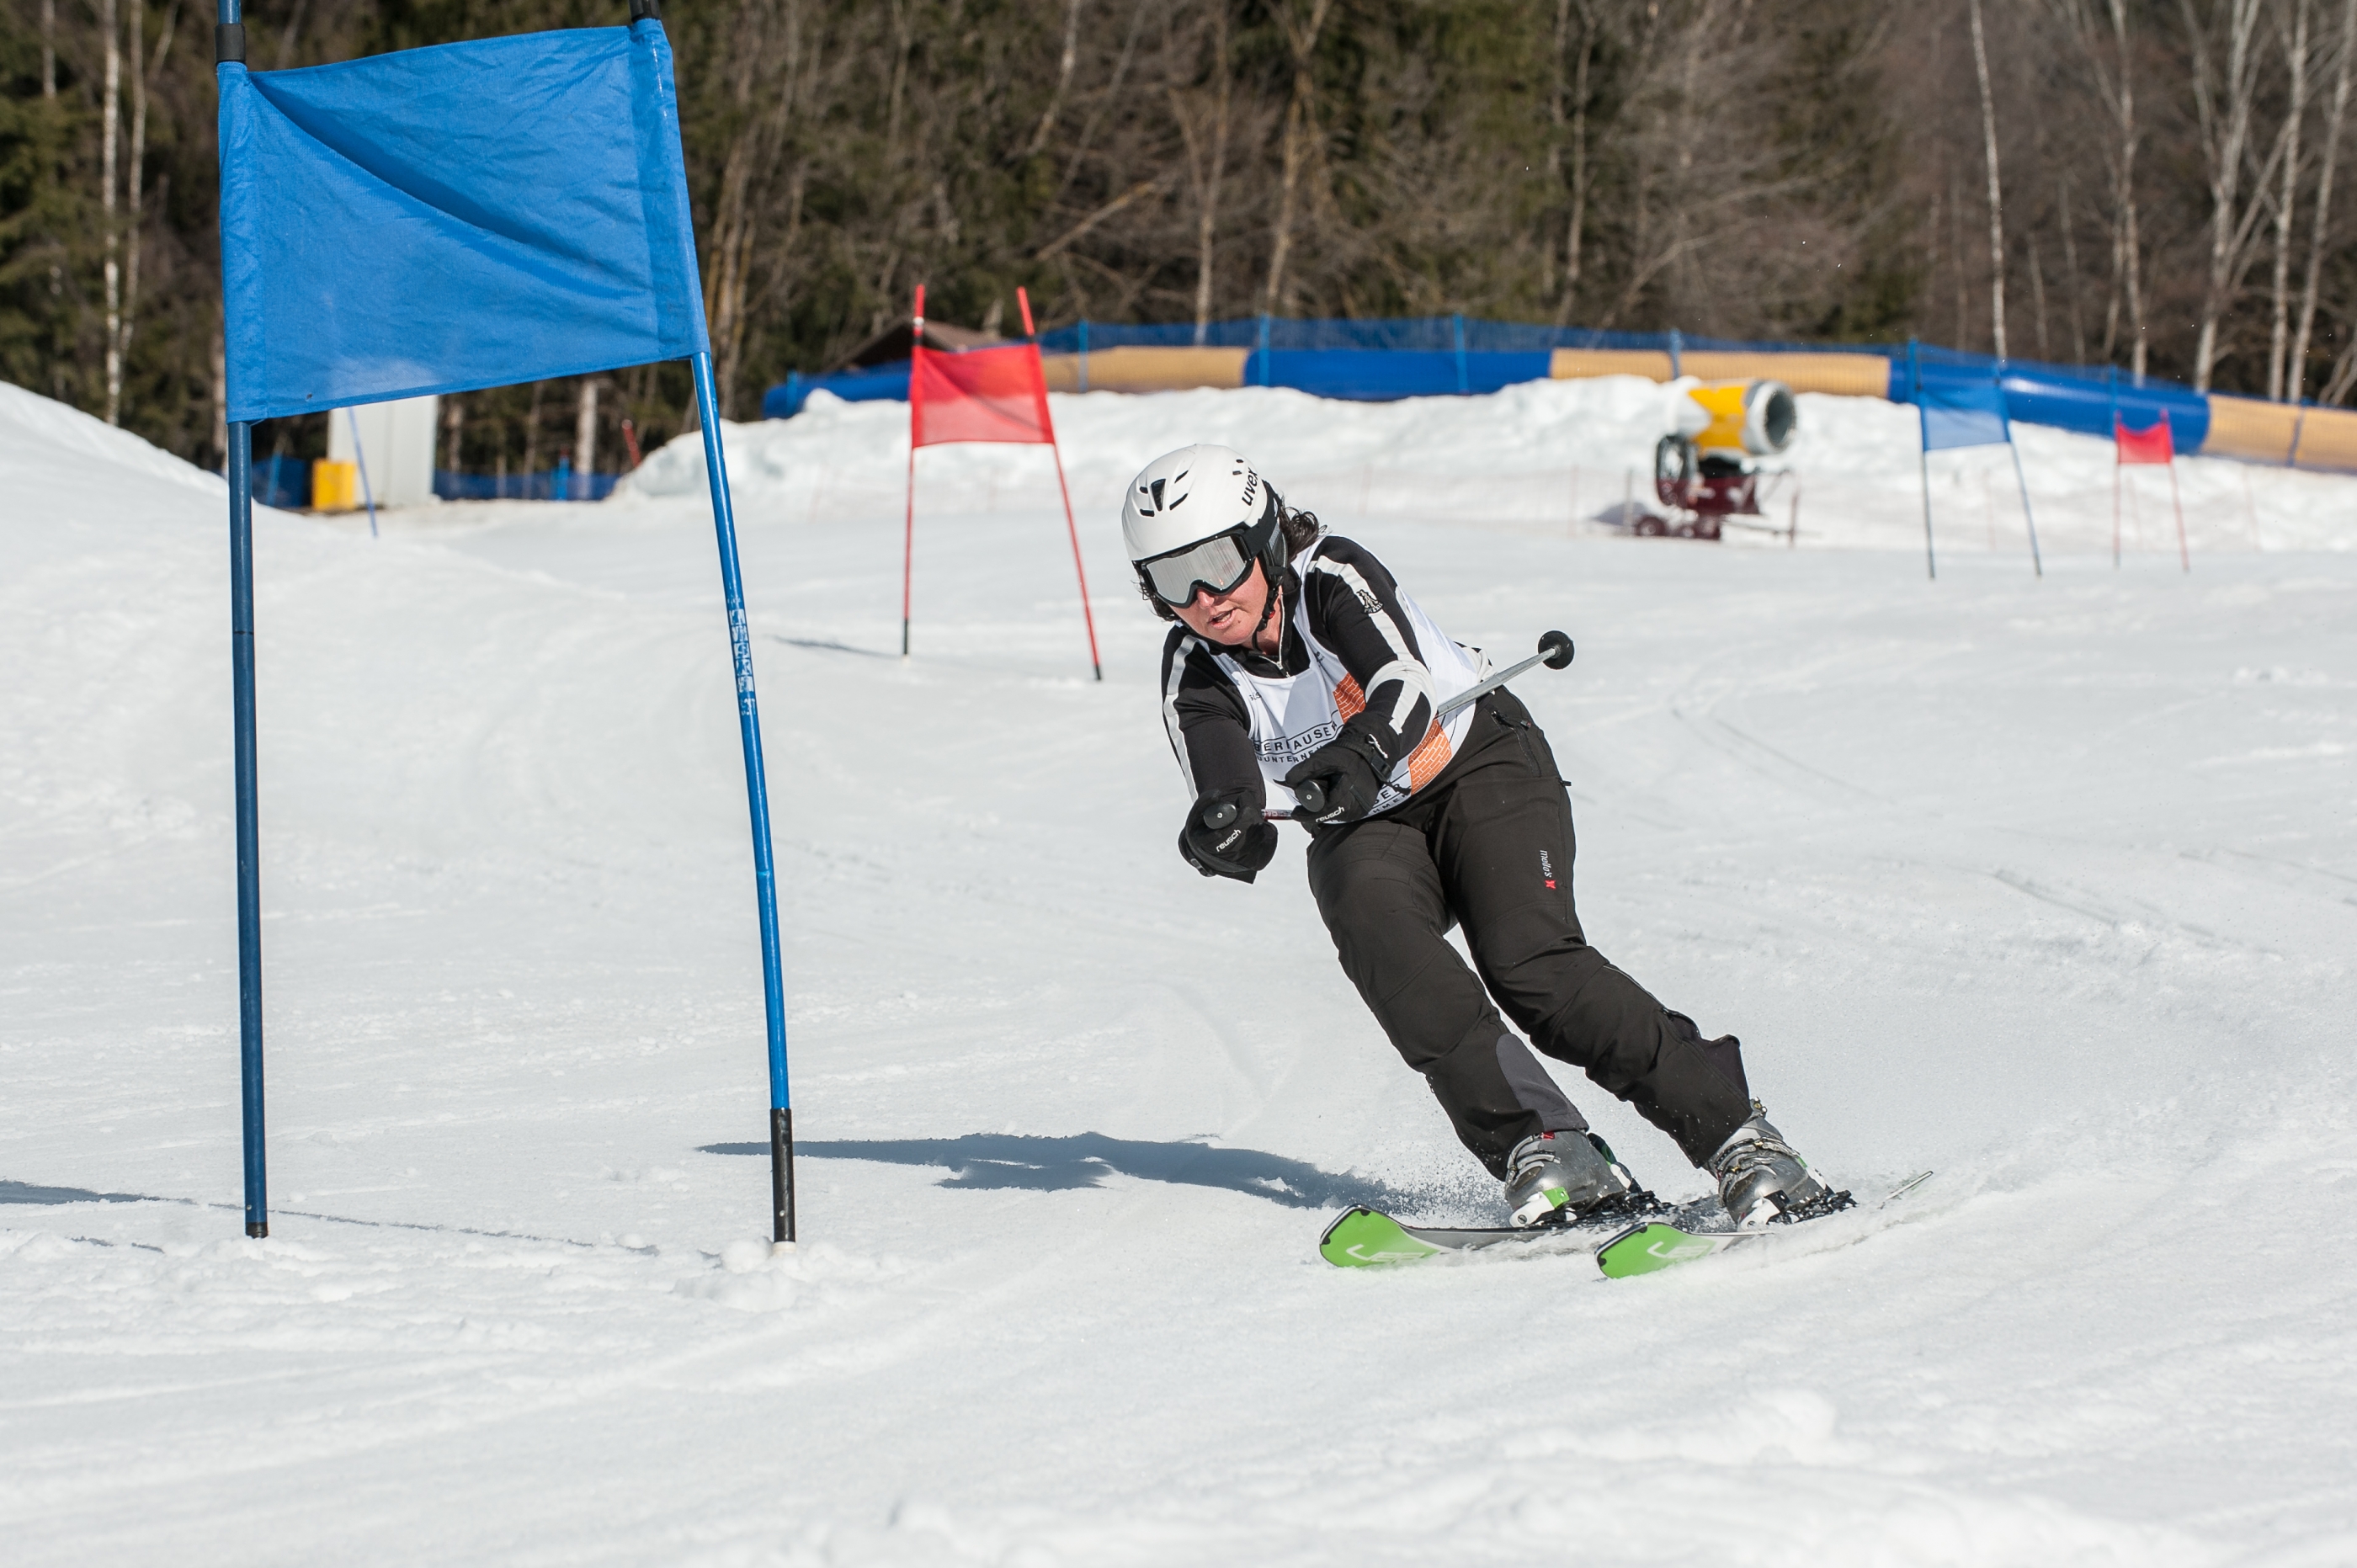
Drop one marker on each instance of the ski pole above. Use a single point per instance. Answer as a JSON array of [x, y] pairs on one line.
[[1554, 652]]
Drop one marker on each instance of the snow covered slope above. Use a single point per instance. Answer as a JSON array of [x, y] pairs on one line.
[[2049, 885]]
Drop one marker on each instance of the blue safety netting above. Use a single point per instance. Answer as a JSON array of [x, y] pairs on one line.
[[385, 232], [1376, 375], [1430, 356], [286, 483], [520, 486], [283, 482], [1413, 334], [888, 383], [2084, 398]]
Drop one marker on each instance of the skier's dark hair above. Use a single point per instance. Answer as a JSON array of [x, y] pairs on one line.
[[1300, 529]]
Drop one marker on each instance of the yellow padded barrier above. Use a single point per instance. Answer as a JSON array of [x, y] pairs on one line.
[[1577, 364], [2246, 428], [1850, 375], [2266, 432], [2328, 439], [1140, 368]]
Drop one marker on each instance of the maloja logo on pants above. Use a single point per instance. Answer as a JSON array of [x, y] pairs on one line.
[[1546, 868]]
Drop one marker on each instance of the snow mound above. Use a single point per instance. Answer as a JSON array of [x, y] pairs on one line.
[[49, 446]]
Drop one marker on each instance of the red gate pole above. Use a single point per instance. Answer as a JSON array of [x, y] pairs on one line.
[[1087, 616], [908, 549], [916, 420], [2183, 554], [2117, 477]]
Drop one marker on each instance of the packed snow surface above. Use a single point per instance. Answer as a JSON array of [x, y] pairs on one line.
[[2049, 885]]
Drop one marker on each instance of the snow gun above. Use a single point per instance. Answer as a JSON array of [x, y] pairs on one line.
[[1555, 652]]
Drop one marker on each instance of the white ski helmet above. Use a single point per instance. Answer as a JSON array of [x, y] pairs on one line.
[[1194, 494]]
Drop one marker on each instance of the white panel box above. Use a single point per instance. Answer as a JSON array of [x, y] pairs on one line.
[[395, 448]]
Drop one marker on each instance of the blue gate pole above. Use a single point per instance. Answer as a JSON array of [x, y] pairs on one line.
[[757, 792], [2037, 561], [229, 48], [1924, 426], [359, 461], [249, 830]]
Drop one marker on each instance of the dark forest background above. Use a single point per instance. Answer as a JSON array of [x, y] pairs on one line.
[[2148, 183]]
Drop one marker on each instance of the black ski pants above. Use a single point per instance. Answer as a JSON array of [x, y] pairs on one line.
[[1488, 846]]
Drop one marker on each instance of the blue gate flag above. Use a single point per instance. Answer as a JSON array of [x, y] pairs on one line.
[[439, 220], [1963, 414]]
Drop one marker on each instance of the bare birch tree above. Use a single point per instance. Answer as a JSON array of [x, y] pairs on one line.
[[1577, 93], [2225, 135], [1996, 190], [144, 71], [2114, 79], [112, 21], [2295, 62], [585, 438], [768, 55], [2319, 226], [1300, 138], [1063, 80], [1206, 157]]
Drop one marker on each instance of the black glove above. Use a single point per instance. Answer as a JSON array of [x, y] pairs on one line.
[[1347, 772], [1226, 836]]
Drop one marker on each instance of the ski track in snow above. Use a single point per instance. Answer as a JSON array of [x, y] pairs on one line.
[[2051, 886]]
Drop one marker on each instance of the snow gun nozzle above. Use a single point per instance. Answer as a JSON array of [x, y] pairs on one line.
[[1556, 649]]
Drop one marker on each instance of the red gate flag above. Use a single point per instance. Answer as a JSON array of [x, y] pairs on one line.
[[979, 394], [982, 394], [2142, 448], [2152, 446]]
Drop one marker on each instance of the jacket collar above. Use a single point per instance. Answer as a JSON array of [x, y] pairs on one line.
[[1293, 653]]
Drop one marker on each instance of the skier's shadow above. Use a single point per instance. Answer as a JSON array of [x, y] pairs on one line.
[[27, 1192], [989, 1160]]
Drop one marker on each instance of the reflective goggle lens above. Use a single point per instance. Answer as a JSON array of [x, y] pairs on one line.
[[1218, 563]]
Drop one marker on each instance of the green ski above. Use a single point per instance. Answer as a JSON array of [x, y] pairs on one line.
[[1365, 1238], [1653, 1246]]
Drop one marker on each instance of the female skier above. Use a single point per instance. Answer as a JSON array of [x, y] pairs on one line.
[[1297, 658]]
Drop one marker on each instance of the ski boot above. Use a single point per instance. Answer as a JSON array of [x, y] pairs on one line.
[[1763, 1180], [1571, 1178]]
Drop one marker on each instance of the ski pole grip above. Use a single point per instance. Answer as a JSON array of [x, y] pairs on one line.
[[1220, 816], [1311, 794]]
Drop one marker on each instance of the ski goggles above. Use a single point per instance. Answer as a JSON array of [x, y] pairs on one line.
[[1219, 563]]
